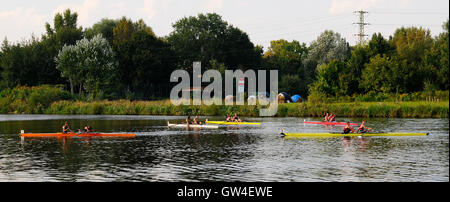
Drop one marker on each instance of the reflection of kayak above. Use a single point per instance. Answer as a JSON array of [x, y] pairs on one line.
[[329, 123], [350, 134], [232, 123], [191, 126], [77, 135]]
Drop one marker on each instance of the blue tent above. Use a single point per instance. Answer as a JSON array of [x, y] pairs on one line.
[[296, 98]]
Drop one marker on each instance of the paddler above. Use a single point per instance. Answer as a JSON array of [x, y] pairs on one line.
[[331, 118], [363, 129], [228, 118], [86, 129], [348, 129], [188, 120], [196, 121], [236, 118], [326, 118], [66, 128]]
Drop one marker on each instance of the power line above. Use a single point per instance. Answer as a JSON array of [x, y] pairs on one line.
[[409, 13]]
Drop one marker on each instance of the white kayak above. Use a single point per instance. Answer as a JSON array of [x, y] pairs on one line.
[[174, 125]]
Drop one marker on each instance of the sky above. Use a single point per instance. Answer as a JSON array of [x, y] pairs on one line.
[[262, 20]]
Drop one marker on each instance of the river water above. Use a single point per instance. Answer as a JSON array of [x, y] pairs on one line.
[[243, 153]]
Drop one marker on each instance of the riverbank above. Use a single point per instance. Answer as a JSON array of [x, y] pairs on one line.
[[55, 100], [414, 109]]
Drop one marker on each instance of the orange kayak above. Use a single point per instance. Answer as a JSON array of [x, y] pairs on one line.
[[77, 135]]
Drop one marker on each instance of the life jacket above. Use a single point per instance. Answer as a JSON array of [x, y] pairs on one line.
[[331, 118], [347, 130]]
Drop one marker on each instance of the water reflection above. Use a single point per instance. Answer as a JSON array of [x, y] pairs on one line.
[[234, 153]]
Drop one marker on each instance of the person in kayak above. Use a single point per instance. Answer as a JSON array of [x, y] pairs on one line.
[[228, 118], [66, 128], [196, 121], [363, 129], [331, 118], [236, 118], [348, 129], [188, 120], [86, 129], [326, 118]]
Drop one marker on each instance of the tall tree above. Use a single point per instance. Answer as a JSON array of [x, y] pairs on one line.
[[89, 63], [288, 58], [379, 45], [328, 46], [436, 63], [207, 37], [145, 61], [411, 44], [105, 27]]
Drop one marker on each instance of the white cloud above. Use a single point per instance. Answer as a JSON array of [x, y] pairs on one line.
[[149, 9], [214, 5], [342, 6], [21, 16], [20, 23]]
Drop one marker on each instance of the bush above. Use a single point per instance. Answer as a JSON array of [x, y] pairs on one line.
[[23, 99]]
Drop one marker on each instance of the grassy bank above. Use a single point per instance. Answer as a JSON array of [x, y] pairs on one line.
[[419, 109], [54, 100]]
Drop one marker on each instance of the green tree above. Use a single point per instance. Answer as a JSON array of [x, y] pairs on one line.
[[436, 64], [411, 44], [379, 45], [328, 46], [291, 84], [207, 37], [90, 63], [69, 64], [64, 31], [105, 27], [288, 58], [328, 78], [145, 61], [26, 63], [379, 75], [351, 74]]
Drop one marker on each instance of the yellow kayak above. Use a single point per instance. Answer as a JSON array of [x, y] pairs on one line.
[[231, 123], [350, 134]]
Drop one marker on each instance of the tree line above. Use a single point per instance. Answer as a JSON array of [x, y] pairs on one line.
[[121, 58]]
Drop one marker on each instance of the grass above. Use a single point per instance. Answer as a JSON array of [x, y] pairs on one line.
[[415, 109], [54, 100]]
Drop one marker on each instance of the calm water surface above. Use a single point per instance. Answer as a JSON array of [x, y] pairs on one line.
[[255, 153]]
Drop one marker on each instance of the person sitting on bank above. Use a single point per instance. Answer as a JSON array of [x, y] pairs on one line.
[[66, 128], [363, 129], [348, 129]]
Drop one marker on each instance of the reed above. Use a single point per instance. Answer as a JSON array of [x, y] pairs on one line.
[[419, 109], [54, 100]]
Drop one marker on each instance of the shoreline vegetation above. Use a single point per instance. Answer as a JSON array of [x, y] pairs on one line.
[[413, 109], [55, 100]]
